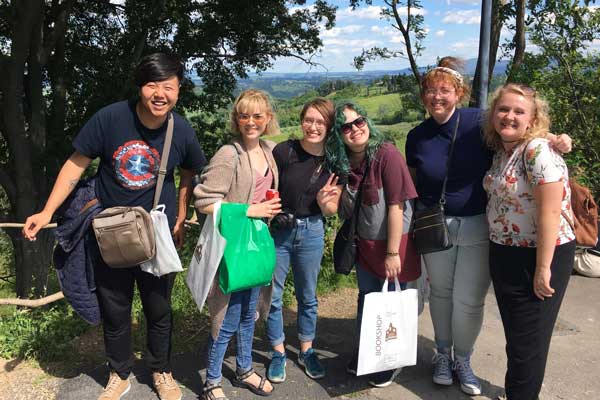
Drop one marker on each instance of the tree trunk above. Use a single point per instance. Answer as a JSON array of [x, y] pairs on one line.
[[23, 130], [406, 34], [32, 262], [519, 39]]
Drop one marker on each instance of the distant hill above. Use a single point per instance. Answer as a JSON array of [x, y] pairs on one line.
[[285, 85]]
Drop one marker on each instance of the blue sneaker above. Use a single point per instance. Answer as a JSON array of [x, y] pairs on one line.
[[442, 368], [312, 366], [468, 381], [276, 369]]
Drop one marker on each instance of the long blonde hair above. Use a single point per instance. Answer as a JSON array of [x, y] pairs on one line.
[[540, 126], [250, 99]]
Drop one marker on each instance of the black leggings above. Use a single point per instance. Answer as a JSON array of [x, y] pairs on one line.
[[528, 321], [114, 287]]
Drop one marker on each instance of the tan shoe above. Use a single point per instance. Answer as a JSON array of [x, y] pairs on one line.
[[165, 386], [115, 388]]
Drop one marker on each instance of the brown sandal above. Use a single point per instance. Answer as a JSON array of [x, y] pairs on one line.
[[207, 392]]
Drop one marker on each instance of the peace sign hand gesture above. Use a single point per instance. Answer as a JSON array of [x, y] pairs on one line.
[[329, 191]]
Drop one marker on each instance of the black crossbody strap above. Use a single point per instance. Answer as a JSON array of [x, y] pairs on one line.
[[164, 159], [358, 200], [443, 195]]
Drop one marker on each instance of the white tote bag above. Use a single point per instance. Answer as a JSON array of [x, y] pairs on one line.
[[166, 259], [388, 334], [207, 257]]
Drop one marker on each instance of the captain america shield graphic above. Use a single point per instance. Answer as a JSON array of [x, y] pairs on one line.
[[136, 164]]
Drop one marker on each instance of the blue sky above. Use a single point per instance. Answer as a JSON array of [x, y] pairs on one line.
[[452, 26]]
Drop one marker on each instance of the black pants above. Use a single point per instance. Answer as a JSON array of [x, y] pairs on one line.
[[528, 321], [114, 287]]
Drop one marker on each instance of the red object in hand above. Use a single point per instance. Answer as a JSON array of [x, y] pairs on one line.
[[272, 194]]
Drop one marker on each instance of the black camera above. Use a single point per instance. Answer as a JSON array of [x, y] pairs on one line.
[[283, 220]]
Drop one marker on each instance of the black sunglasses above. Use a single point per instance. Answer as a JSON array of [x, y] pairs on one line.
[[359, 122]]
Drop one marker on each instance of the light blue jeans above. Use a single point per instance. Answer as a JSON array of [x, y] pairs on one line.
[[460, 278], [303, 247], [238, 321]]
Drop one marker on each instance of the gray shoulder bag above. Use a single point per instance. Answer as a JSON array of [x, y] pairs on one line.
[[125, 235]]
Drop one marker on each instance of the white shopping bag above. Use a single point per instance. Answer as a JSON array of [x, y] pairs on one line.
[[166, 259], [207, 257], [388, 334]]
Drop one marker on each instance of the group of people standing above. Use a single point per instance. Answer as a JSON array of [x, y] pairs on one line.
[[506, 188]]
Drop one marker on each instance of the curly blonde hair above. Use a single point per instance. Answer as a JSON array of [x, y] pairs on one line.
[[540, 126], [249, 100], [441, 74]]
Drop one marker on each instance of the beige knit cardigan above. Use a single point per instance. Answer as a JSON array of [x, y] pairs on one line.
[[230, 177]]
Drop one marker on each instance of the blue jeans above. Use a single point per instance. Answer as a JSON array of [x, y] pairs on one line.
[[303, 247], [368, 283], [460, 278], [239, 320]]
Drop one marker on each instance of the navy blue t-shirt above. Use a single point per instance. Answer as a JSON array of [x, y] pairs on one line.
[[130, 157], [427, 147]]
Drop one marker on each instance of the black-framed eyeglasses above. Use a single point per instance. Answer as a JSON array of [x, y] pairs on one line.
[[360, 122]]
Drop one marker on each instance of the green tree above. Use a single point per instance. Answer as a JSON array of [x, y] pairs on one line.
[[565, 70], [411, 28], [61, 60]]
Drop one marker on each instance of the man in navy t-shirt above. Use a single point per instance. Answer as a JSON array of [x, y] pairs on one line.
[[128, 138]]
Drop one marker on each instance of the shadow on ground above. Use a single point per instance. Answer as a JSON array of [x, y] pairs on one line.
[[335, 346]]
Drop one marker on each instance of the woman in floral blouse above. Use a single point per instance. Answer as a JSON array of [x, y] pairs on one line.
[[532, 243]]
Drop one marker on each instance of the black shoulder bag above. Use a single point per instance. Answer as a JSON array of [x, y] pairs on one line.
[[345, 246], [430, 231]]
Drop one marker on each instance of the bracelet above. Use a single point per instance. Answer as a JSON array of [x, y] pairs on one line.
[[392, 254]]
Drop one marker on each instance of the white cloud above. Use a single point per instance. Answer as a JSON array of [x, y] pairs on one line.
[[594, 45], [354, 43], [374, 12], [397, 39], [370, 12], [468, 2], [292, 10], [403, 11], [469, 17], [440, 33], [466, 48], [338, 51], [344, 30]]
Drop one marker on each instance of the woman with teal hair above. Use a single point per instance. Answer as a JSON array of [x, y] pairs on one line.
[[355, 148]]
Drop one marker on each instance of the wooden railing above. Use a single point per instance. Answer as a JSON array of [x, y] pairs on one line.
[[33, 303]]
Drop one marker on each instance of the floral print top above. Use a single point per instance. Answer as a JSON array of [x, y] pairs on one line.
[[509, 183]]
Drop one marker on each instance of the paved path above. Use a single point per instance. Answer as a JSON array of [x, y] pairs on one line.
[[573, 370]]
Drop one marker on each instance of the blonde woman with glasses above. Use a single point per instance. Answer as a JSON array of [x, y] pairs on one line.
[[240, 172]]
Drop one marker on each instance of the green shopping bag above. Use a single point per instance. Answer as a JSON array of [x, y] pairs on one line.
[[249, 258]]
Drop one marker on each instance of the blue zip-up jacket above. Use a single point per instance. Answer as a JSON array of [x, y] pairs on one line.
[[73, 255]]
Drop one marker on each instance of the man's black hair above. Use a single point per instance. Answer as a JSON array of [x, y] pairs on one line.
[[158, 67]]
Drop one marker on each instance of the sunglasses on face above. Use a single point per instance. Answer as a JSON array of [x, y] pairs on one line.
[[360, 122], [257, 118]]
